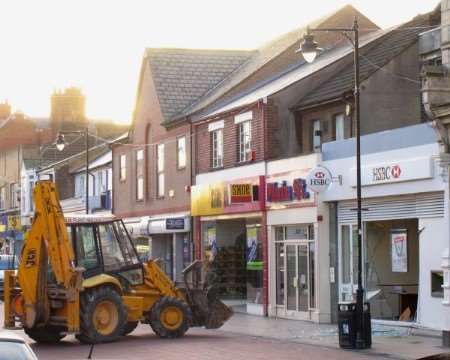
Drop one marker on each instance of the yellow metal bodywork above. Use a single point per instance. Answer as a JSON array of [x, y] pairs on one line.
[[47, 243], [102, 279], [31, 300]]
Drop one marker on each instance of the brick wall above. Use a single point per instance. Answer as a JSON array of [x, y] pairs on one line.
[[230, 138], [147, 129]]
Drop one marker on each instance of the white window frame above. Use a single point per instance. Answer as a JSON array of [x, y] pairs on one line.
[[245, 140], [160, 170], [123, 167], [316, 139], [217, 148], [140, 175], [339, 123], [3, 197], [181, 152], [13, 203]]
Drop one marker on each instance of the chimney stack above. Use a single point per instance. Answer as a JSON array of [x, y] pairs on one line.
[[5, 110]]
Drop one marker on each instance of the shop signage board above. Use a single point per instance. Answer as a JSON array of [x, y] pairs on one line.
[[392, 172], [207, 199], [241, 193], [226, 197], [175, 223], [318, 179], [288, 189], [399, 250]]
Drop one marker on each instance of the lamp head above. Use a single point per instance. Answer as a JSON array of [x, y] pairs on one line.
[[60, 142], [308, 47]]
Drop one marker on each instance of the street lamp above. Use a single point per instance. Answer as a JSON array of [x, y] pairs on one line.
[[61, 144], [309, 50]]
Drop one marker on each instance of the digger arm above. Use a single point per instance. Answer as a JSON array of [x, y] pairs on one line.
[[48, 241]]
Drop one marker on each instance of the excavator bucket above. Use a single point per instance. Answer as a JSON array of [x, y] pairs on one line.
[[207, 309]]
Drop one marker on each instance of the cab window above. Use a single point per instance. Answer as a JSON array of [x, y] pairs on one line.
[[85, 247], [113, 258]]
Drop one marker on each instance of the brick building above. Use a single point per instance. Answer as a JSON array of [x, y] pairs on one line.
[[153, 172]]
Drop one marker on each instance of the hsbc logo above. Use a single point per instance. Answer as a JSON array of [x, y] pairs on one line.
[[319, 175], [396, 171], [386, 173]]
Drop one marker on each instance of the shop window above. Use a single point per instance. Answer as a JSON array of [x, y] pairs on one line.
[[345, 259], [279, 248], [181, 152], [437, 280], [297, 232]]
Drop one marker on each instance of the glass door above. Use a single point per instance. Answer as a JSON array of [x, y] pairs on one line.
[[295, 273], [297, 278]]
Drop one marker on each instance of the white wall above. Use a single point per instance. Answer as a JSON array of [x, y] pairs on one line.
[[431, 312], [344, 168]]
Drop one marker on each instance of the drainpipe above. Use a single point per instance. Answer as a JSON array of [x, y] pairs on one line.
[[262, 199]]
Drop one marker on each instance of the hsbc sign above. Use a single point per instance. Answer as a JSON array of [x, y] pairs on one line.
[[404, 170], [319, 179]]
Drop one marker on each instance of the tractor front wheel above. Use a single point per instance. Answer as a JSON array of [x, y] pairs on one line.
[[45, 335], [102, 316], [170, 317]]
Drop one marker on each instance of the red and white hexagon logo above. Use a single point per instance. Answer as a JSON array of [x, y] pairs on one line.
[[396, 171]]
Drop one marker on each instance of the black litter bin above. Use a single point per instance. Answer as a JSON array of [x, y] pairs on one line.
[[347, 325]]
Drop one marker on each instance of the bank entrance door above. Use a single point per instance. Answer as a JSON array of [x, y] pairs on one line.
[[295, 277]]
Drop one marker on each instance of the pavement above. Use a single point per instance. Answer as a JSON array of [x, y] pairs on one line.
[[248, 337]]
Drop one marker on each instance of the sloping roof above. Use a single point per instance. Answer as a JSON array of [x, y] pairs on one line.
[[275, 58], [181, 76], [285, 80], [372, 57]]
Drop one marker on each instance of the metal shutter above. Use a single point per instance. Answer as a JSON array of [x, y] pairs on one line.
[[427, 205]]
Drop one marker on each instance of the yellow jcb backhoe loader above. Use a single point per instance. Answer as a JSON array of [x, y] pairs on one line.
[[84, 277]]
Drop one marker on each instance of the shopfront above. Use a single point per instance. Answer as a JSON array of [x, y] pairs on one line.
[[403, 235], [232, 236], [165, 238], [298, 233]]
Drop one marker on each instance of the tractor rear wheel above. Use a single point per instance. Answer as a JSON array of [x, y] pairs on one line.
[[130, 326], [170, 317], [45, 335], [102, 315]]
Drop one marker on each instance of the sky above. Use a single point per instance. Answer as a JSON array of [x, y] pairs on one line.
[[97, 45]]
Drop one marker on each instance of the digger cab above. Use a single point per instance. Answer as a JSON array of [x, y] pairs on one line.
[[102, 246]]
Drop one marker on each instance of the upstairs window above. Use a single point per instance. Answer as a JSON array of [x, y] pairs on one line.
[[3, 197], [339, 127], [181, 152], [217, 148], [245, 138], [140, 175], [13, 193], [123, 168], [160, 170], [316, 136]]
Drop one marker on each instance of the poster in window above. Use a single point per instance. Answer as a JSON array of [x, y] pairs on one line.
[[399, 250], [212, 241], [252, 238]]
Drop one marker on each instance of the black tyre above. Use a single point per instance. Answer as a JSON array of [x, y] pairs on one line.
[[45, 335], [170, 318], [130, 326], [102, 316]]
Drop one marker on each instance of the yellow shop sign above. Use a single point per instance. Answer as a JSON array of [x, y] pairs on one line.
[[207, 199]]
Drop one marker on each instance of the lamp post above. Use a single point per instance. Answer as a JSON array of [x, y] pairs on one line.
[[309, 48], [60, 145]]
